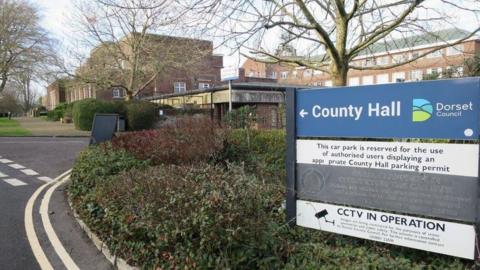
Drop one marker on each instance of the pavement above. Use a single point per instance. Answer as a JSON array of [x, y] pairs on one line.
[[40, 127], [36, 218]]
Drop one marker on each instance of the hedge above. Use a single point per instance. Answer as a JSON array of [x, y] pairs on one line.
[[58, 112], [261, 151], [206, 216], [84, 111], [139, 114], [187, 141]]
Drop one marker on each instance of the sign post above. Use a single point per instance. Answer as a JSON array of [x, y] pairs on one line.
[[419, 193], [229, 74]]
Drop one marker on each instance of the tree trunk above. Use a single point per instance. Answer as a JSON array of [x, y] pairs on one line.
[[3, 83], [339, 74]]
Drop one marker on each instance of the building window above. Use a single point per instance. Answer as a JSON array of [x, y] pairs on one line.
[[284, 74], [416, 75], [203, 85], [179, 87], [435, 54], [398, 77], [399, 58], [414, 55], [383, 78], [382, 60], [354, 81], [434, 71], [367, 80], [117, 92], [328, 83], [317, 72], [455, 50], [369, 62], [274, 75]]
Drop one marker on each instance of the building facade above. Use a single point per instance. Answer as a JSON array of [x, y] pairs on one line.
[[196, 68], [446, 62], [56, 94]]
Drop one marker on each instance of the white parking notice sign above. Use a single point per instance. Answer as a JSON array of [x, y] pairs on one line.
[[449, 238]]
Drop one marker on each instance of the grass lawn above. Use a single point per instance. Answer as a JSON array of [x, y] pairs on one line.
[[12, 128]]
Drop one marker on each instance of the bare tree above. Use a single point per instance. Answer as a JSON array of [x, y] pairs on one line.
[[131, 42], [331, 33], [473, 65], [9, 102], [21, 38]]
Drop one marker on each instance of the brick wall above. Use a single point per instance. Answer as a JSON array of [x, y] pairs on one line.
[[424, 65]]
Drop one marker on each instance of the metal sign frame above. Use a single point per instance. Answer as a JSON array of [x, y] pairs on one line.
[[292, 166]]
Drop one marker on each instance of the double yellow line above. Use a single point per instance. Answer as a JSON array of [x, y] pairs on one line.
[[38, 252]]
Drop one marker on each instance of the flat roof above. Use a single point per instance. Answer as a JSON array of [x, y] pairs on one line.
[[242, 86]]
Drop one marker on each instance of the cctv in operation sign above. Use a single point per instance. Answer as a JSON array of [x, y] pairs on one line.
[[395, 163]]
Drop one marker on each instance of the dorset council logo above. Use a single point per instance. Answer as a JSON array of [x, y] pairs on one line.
[[422, 110]]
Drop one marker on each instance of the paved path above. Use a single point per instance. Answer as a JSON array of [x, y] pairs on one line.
[[40, 127], [29, 204]]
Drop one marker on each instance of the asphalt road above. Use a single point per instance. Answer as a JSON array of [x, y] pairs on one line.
[[27, 168]]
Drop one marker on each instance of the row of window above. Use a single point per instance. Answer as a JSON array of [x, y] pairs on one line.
[[413, 75], [78, 94], [181, 87], [382, 60], [399, 58]]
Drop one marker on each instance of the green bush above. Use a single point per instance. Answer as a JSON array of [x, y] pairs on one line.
[[262, 152], [243, 117], [84, 111], [190, 217], [69, 110], [140, 115], [57, 113], [211, 217], [93, 166]]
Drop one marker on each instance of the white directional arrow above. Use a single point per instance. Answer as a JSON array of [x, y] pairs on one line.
[[303, 113]]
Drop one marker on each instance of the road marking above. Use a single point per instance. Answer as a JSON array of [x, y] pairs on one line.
[[47, 225], [31, 235], [45, 178], [2, 175], [4, 160], [30, 229], [15, 182], [16, 166], [29, 172]]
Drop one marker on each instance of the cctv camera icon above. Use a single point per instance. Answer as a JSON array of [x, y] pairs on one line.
[[323, 214]]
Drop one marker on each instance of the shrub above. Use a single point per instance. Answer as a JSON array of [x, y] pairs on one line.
[[186, 141], [207, 217], [57, 113], [190, 217], [262, 151], [68, 110], [84, 111], [140, 115], [242, 117], [95, 165]]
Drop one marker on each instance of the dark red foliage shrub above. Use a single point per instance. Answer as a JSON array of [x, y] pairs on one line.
[[187, 141]]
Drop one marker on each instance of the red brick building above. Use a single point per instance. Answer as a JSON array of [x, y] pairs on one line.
[[55, 94], [444, 62], [197, 68]]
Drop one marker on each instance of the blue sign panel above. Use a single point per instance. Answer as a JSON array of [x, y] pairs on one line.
[[447, 109]]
